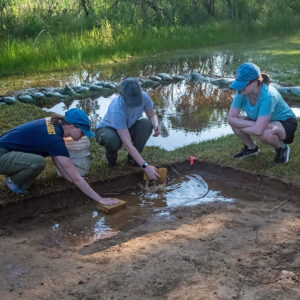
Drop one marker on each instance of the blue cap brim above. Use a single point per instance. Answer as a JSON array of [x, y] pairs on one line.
[[239, 85], [87, 132]]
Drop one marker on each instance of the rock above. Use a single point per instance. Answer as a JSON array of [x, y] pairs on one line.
[[196, 77], [67, 91], [178, 78], [283, 91], [106, 84], [165, 77], [9, 100], [82, 90], [155, 78], [38, 95], [295, 91], [26, 99], [276, 85], [55, 95], [95, 88], [222, 82], [148, 83], [109, 85], [76, 87], [86, 84]]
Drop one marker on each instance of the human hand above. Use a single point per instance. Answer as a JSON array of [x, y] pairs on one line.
[[109, 201], [152, 172], [156, 130]]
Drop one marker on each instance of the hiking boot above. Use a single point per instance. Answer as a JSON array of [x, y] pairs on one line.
[[245, 152], [132, 162], [14, 188], [282, 155], [111, 158]]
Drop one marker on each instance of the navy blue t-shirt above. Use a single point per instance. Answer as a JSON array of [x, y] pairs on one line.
[[39, 137]]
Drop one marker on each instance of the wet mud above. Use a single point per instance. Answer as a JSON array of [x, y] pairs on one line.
[[216, 233]]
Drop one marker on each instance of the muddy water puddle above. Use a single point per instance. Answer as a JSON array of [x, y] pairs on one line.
[[81, 225]]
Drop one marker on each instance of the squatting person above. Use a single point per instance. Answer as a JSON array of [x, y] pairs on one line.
[[122, 125], [268, 116], [23, 148]]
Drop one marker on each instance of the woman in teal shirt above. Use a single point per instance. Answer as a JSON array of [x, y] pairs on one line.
[[268, 116]]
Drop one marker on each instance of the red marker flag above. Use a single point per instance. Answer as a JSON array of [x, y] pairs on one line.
[[192, 159]]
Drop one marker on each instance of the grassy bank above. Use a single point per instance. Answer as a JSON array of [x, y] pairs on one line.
[[217, 151], [70, 51], [67, 51]]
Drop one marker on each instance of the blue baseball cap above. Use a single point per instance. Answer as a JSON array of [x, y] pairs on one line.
[[244, 74], [131, 92], [79, 119]]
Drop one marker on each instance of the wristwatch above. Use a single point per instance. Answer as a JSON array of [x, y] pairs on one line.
[[144, 165]]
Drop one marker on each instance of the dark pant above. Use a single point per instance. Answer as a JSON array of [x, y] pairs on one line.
[[290, 126], [108, 137], [21, 167]]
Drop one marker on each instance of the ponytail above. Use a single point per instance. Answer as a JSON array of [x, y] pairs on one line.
[[264, 78], [58, 119]]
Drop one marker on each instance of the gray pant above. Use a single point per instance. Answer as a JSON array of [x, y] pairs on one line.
[[21, 167], [108, 137]]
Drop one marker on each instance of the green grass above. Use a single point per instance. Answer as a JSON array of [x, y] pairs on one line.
[[217, 151], [280, 57], [52, 53]]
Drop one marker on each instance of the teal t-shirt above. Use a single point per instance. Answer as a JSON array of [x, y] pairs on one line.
[[269, 102], [119, 116]]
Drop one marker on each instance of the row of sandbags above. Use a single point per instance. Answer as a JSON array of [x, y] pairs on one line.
[[107, 88]]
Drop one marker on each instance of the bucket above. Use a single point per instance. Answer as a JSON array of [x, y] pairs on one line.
[[79, 154]]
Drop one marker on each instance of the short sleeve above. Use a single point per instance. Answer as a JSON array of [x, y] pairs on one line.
[[148, 103], [57, 148], [237, 101]]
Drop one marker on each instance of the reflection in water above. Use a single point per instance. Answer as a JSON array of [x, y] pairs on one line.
[[186, 190], [214, 64], [188, 112]]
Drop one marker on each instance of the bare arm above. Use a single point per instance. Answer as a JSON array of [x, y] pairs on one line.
[[151, 114], [236, 120], [250, 127], [126, 140], [70, 173], [258, 127]]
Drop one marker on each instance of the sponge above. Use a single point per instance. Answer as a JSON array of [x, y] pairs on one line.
[[162, 172], [110, 209]]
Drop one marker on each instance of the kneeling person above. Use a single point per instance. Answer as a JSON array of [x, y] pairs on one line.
[[23, 148], [122, 125]]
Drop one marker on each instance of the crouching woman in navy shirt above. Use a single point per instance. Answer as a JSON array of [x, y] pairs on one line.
[[23, 148]]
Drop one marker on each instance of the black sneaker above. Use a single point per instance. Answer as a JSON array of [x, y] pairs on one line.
[[282, 155], [246, 152]]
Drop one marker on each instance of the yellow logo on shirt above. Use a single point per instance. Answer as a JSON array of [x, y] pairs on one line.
[[50, 126]]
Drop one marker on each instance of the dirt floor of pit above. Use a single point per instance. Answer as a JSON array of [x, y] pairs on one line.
[[246, 249]]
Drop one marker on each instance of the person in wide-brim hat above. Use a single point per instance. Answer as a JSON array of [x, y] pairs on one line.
[[269, 118], [23, 148], [122, 125]]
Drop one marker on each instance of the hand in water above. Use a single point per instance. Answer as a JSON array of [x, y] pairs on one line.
[[152, 173], [156, 130], [109, 201]]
